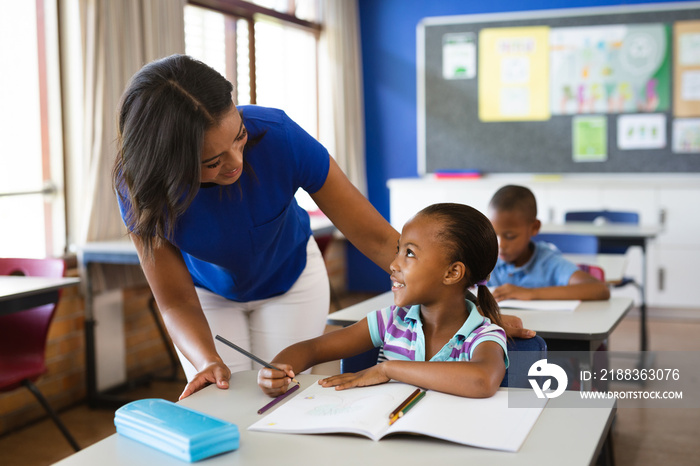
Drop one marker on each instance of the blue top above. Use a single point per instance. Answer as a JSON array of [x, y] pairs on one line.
[[399, 331], [546, 267], [247, 241]]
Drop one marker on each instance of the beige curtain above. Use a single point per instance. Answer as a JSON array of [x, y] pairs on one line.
[[344, 103], [120, 38], [116, 38]]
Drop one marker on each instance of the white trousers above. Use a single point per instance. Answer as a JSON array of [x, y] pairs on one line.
[[267, 326]]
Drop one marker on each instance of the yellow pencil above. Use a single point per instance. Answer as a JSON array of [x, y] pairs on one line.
[[404, 403], [410, 405]]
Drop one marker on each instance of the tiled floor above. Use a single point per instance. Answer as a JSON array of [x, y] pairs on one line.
[[642, 437]]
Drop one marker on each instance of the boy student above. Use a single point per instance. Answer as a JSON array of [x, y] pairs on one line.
[[530, 270]]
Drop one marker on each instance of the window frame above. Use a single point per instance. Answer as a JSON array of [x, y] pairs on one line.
[[239, 9]]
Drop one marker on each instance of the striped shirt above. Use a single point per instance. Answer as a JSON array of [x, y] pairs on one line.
[[399, 332]]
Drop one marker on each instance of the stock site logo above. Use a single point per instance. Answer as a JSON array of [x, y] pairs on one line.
[[542, 368]]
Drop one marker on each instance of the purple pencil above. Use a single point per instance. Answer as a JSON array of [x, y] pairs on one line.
[[278, 399]]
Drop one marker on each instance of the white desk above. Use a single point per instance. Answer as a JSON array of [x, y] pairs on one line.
[[18, 293], [619, 231], [618, 234], [592, 321], [579, 442]]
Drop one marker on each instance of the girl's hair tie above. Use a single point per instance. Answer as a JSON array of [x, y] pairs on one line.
[[482, 282]]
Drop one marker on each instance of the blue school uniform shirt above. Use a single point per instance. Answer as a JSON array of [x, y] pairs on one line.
[[546, 267], [247, 241], [399, 332]]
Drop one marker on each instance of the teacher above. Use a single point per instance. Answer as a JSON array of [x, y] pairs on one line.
[[206, 190]]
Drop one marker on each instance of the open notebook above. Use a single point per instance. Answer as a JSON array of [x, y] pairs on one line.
[[486, 423], [541, 305]]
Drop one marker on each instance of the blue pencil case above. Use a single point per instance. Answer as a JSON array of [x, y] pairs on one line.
[[176, 430]]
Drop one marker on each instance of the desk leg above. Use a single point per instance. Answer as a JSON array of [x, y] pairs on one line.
[[643, 304], [90, 362]]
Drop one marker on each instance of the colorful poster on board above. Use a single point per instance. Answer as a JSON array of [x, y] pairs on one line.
[[459, 56], [589, 138], [641, 131], [686, 69], [514, 74], [610, 69], [686, 135]]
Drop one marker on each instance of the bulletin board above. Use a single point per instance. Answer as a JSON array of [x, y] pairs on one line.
[[606, 89]]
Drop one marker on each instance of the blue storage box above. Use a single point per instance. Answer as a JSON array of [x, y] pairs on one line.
[[179, 431]]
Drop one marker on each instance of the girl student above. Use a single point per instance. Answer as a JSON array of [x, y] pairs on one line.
[[432, 337]]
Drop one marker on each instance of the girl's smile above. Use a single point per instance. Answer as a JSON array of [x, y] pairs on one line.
[[420, 263]]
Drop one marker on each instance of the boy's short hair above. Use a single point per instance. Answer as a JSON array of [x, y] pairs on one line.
[[515, 198]]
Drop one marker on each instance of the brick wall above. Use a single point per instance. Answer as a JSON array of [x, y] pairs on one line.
[[64, 382], [145, 350]]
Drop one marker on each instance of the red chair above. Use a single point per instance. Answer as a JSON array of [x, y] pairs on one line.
[[594, 271], [23, 336]]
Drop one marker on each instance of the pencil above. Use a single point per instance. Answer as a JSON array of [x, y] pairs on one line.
[[279, 398], [251, 355], [404, 403], [410, 405]]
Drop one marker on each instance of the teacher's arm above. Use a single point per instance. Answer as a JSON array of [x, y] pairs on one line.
[[356, 218], [173, 289]]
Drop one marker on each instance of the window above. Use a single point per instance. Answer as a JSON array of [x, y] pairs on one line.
[[31, 211], [268, 49]]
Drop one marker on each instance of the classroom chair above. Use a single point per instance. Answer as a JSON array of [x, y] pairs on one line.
[[23, 337], [535, 348], [530, 350], [594, 271], [570, 243]]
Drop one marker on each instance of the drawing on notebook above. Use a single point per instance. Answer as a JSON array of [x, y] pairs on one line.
[[333, 405]]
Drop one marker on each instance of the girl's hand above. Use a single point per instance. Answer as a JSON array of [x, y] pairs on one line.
[[371, 376], [216, 372], [274, 383]]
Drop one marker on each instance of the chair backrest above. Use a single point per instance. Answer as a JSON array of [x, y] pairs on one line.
[[50, 268], [610, 216], [23, 334], [570, 243], [359, 362], [593, 270], [529, 351], [605, 216]]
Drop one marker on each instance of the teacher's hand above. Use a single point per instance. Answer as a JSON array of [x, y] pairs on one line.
[[513, 326], [215, 372]]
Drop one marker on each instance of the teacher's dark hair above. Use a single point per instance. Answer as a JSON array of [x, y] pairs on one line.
[[164, 113], [470, 239]]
